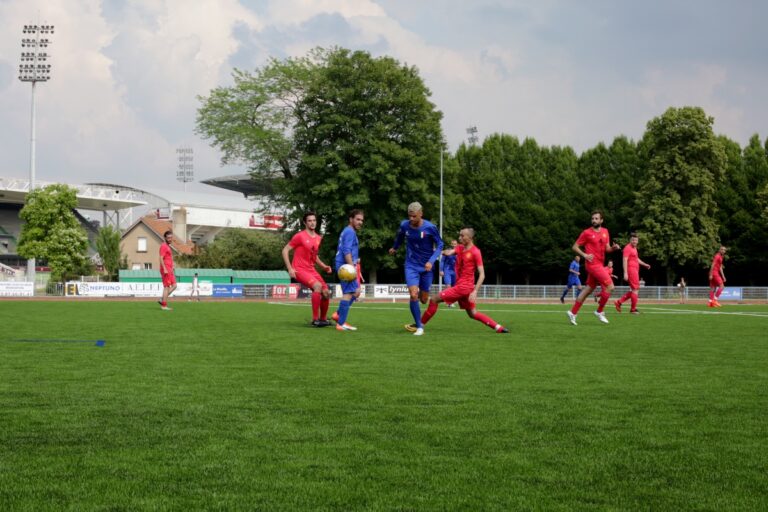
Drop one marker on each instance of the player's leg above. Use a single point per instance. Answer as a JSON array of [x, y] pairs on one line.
[[412, 280], [325, 302], [565, 292], [348, 289], [606, 287], [720, 288], [474, 314], [434, 301]]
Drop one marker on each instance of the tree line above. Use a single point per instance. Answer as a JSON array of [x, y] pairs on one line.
[[340, 129]]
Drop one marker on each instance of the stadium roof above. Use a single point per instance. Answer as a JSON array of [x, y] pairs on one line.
[[89, 197], [242, 183]]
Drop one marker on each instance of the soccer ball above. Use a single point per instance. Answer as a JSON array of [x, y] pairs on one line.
[[347, 272]]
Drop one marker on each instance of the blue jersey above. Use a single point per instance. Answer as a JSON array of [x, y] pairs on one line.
[[575, 267], [422, 244], [347, 245], [449, 264]]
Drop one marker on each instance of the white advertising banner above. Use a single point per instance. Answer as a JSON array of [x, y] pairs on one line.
[[390, 291], [84, 289], [17, 289]]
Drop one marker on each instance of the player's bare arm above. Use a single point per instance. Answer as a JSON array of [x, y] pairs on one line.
[[478, 284], [325, 267], [577, 249], [287, 260]]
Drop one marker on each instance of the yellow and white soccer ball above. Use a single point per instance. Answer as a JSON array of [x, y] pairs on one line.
[[347, 272]]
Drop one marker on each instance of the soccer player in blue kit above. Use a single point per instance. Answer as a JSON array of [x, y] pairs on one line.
[[348, 252], [423, 246], [573, 278]]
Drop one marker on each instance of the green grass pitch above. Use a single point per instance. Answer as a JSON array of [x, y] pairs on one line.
[[244, 406]]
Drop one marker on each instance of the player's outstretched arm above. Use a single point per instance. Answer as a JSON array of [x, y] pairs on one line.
[[287, 260]]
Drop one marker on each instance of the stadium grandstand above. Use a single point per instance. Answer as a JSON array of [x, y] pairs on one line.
[[194, 217]]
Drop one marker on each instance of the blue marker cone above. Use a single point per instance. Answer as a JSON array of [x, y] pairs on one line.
[[99, 343]]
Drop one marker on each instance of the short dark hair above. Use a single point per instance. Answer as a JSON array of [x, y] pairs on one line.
[[308, 213], [633, 235], [598, 212], [356, 212], [169, 232]]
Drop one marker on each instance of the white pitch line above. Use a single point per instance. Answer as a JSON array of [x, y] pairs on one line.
[[647, 310]]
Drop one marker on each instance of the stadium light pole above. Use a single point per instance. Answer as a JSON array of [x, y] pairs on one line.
[[186, 171], [33, 69], [440, 277]]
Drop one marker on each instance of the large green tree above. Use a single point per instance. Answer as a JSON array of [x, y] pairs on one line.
[[51, 231], [676, 205], [369, 138]]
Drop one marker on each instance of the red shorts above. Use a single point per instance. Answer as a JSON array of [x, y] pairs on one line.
[[309, 277], [597, 275], [168, 279], [458, 294], [633, 279], [716, 281]]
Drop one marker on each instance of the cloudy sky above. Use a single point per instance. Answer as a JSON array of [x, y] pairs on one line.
[[126, 73]]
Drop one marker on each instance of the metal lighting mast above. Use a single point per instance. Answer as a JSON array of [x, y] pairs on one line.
[[185, 172], [33, 68]]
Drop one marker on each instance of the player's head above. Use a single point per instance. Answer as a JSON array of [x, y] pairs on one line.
[[309, 219], [597, 219], [577, 258], [633, 239], [466, 236], [454, 242], [723, 249], [610, 263], [415, 213], [168, 236], [356, 218], [195, 274]]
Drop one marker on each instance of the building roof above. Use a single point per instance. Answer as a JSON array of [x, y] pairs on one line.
[[242, 183], [158, 227]]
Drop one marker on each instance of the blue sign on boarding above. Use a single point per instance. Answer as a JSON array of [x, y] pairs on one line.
[[227, 290], [731, 293]]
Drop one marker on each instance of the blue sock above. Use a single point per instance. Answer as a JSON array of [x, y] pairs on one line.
[[416, 312], [343, 311], [565, 292]]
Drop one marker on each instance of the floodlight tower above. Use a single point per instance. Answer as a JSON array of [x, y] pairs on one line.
[[473, 138], [185, 172], [34, 68]]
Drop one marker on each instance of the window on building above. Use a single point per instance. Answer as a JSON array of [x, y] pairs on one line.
[[142, 244], [147, 266], [136, 266]]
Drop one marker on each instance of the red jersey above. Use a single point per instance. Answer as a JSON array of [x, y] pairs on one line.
[[167, 256], [305, 249], [717, 263], [467, 261], [633, 260], [594, 243]]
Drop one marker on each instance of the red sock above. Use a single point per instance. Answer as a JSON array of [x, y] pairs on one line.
[[429, 313], [576, 307], [164, 304], [719, 291], [711, 295], [604, 296], [634, 301], [324, 304], [316, 305], [490, 322], [624, 298]]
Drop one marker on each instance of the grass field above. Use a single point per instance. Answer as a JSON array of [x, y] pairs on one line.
[[244, 406]]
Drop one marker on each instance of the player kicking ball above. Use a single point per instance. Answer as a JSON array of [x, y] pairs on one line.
[[468, 259]]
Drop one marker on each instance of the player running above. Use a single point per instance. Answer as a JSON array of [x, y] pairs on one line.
[[573, 278], [716, 278], [306, 246], [596, 242], [166, 269], [422, 247], [632, 264], [448, 268], [348, 252], [468, 259]]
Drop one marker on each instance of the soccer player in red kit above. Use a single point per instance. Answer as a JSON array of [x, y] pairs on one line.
[[306, 245], [468, 259], [596, 241], [716, 278], [166, 269], [632, 264]]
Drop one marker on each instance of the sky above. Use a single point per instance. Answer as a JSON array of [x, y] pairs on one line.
[[127, 74]]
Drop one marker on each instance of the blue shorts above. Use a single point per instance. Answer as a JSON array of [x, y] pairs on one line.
[[349, 286], [574, 282], [418, 277], [449, 278]]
